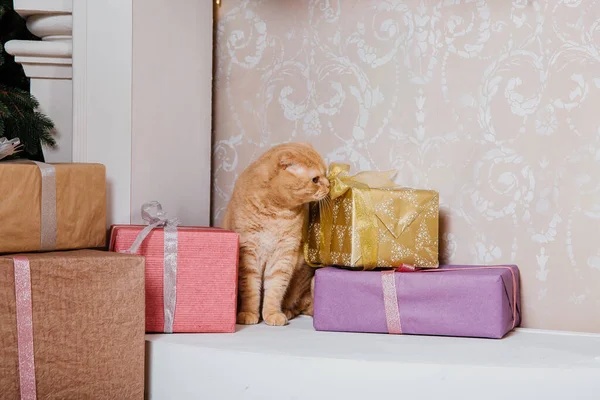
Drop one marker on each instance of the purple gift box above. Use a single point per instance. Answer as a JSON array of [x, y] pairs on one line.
[[470, 301]]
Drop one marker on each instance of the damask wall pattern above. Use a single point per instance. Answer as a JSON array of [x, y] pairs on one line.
[[493, 103]]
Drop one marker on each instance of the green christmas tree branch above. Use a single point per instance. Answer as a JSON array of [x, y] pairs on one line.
[[20, 116], [20, 119]]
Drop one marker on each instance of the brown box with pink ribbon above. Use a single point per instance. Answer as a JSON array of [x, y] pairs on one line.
[[191, 272], [72, 326], [47, 207], [468, 301]]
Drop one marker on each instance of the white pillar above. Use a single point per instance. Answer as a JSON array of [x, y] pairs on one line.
[[48, 65], [102, 102], [142, 78], [96, 74]]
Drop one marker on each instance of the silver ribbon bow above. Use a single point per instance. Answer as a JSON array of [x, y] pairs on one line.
[[153, 214], [9, 147]]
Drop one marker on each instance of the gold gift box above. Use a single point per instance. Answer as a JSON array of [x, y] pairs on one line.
[[368, 222]]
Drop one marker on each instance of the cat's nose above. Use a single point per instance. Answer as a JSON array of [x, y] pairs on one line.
[[326, 183]]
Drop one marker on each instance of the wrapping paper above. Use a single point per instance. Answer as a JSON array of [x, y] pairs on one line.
[[206, 281], [463, 302], [406, 229], [80, 207], [87, 312]]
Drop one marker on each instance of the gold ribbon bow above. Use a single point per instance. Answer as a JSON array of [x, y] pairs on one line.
[[365, 223]]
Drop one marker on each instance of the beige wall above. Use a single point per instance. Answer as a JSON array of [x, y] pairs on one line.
[[171, 108], [493, 103]]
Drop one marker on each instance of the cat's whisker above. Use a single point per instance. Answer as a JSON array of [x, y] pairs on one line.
[[322, 205], [326, 203]]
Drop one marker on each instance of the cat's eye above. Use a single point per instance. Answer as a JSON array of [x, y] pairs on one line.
[[315, 179]]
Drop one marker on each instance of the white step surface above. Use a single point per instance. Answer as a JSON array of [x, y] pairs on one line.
[[296, 362]]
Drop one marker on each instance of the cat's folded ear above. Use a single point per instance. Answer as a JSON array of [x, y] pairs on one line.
[[286, 160], [289, 163]]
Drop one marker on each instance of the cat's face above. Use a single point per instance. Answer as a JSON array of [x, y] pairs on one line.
[[300, 174]]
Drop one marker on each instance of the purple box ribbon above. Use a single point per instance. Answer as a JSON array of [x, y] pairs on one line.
[[390, 297]]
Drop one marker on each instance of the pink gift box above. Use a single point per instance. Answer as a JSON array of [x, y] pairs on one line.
[[207, 268]]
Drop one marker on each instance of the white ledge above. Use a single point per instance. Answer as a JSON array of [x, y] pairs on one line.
[[31, 7], [296, 362]]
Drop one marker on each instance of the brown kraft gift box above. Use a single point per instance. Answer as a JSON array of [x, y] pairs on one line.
[[78, 200], [88, 325]]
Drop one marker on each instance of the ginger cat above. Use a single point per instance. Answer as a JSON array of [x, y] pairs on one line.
[[268, 210]]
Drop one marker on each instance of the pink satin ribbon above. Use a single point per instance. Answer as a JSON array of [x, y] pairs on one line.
[[390, 295], [24, 327], [390, 302]]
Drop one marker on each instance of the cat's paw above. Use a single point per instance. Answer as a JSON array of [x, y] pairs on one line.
[[309, 311], [276, 319], [247, 318], [289, 314]]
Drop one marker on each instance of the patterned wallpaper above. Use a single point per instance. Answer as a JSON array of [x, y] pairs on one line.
[[492, 103]]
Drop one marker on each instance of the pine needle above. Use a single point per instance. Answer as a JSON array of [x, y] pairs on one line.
[[20, 117]]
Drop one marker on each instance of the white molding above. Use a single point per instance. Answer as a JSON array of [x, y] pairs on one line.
[[31, 7], [42, 59], [30, 48], [102, 58], [37, 68], [37, 65], [49, 58], [80, 17], [51, 27]]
